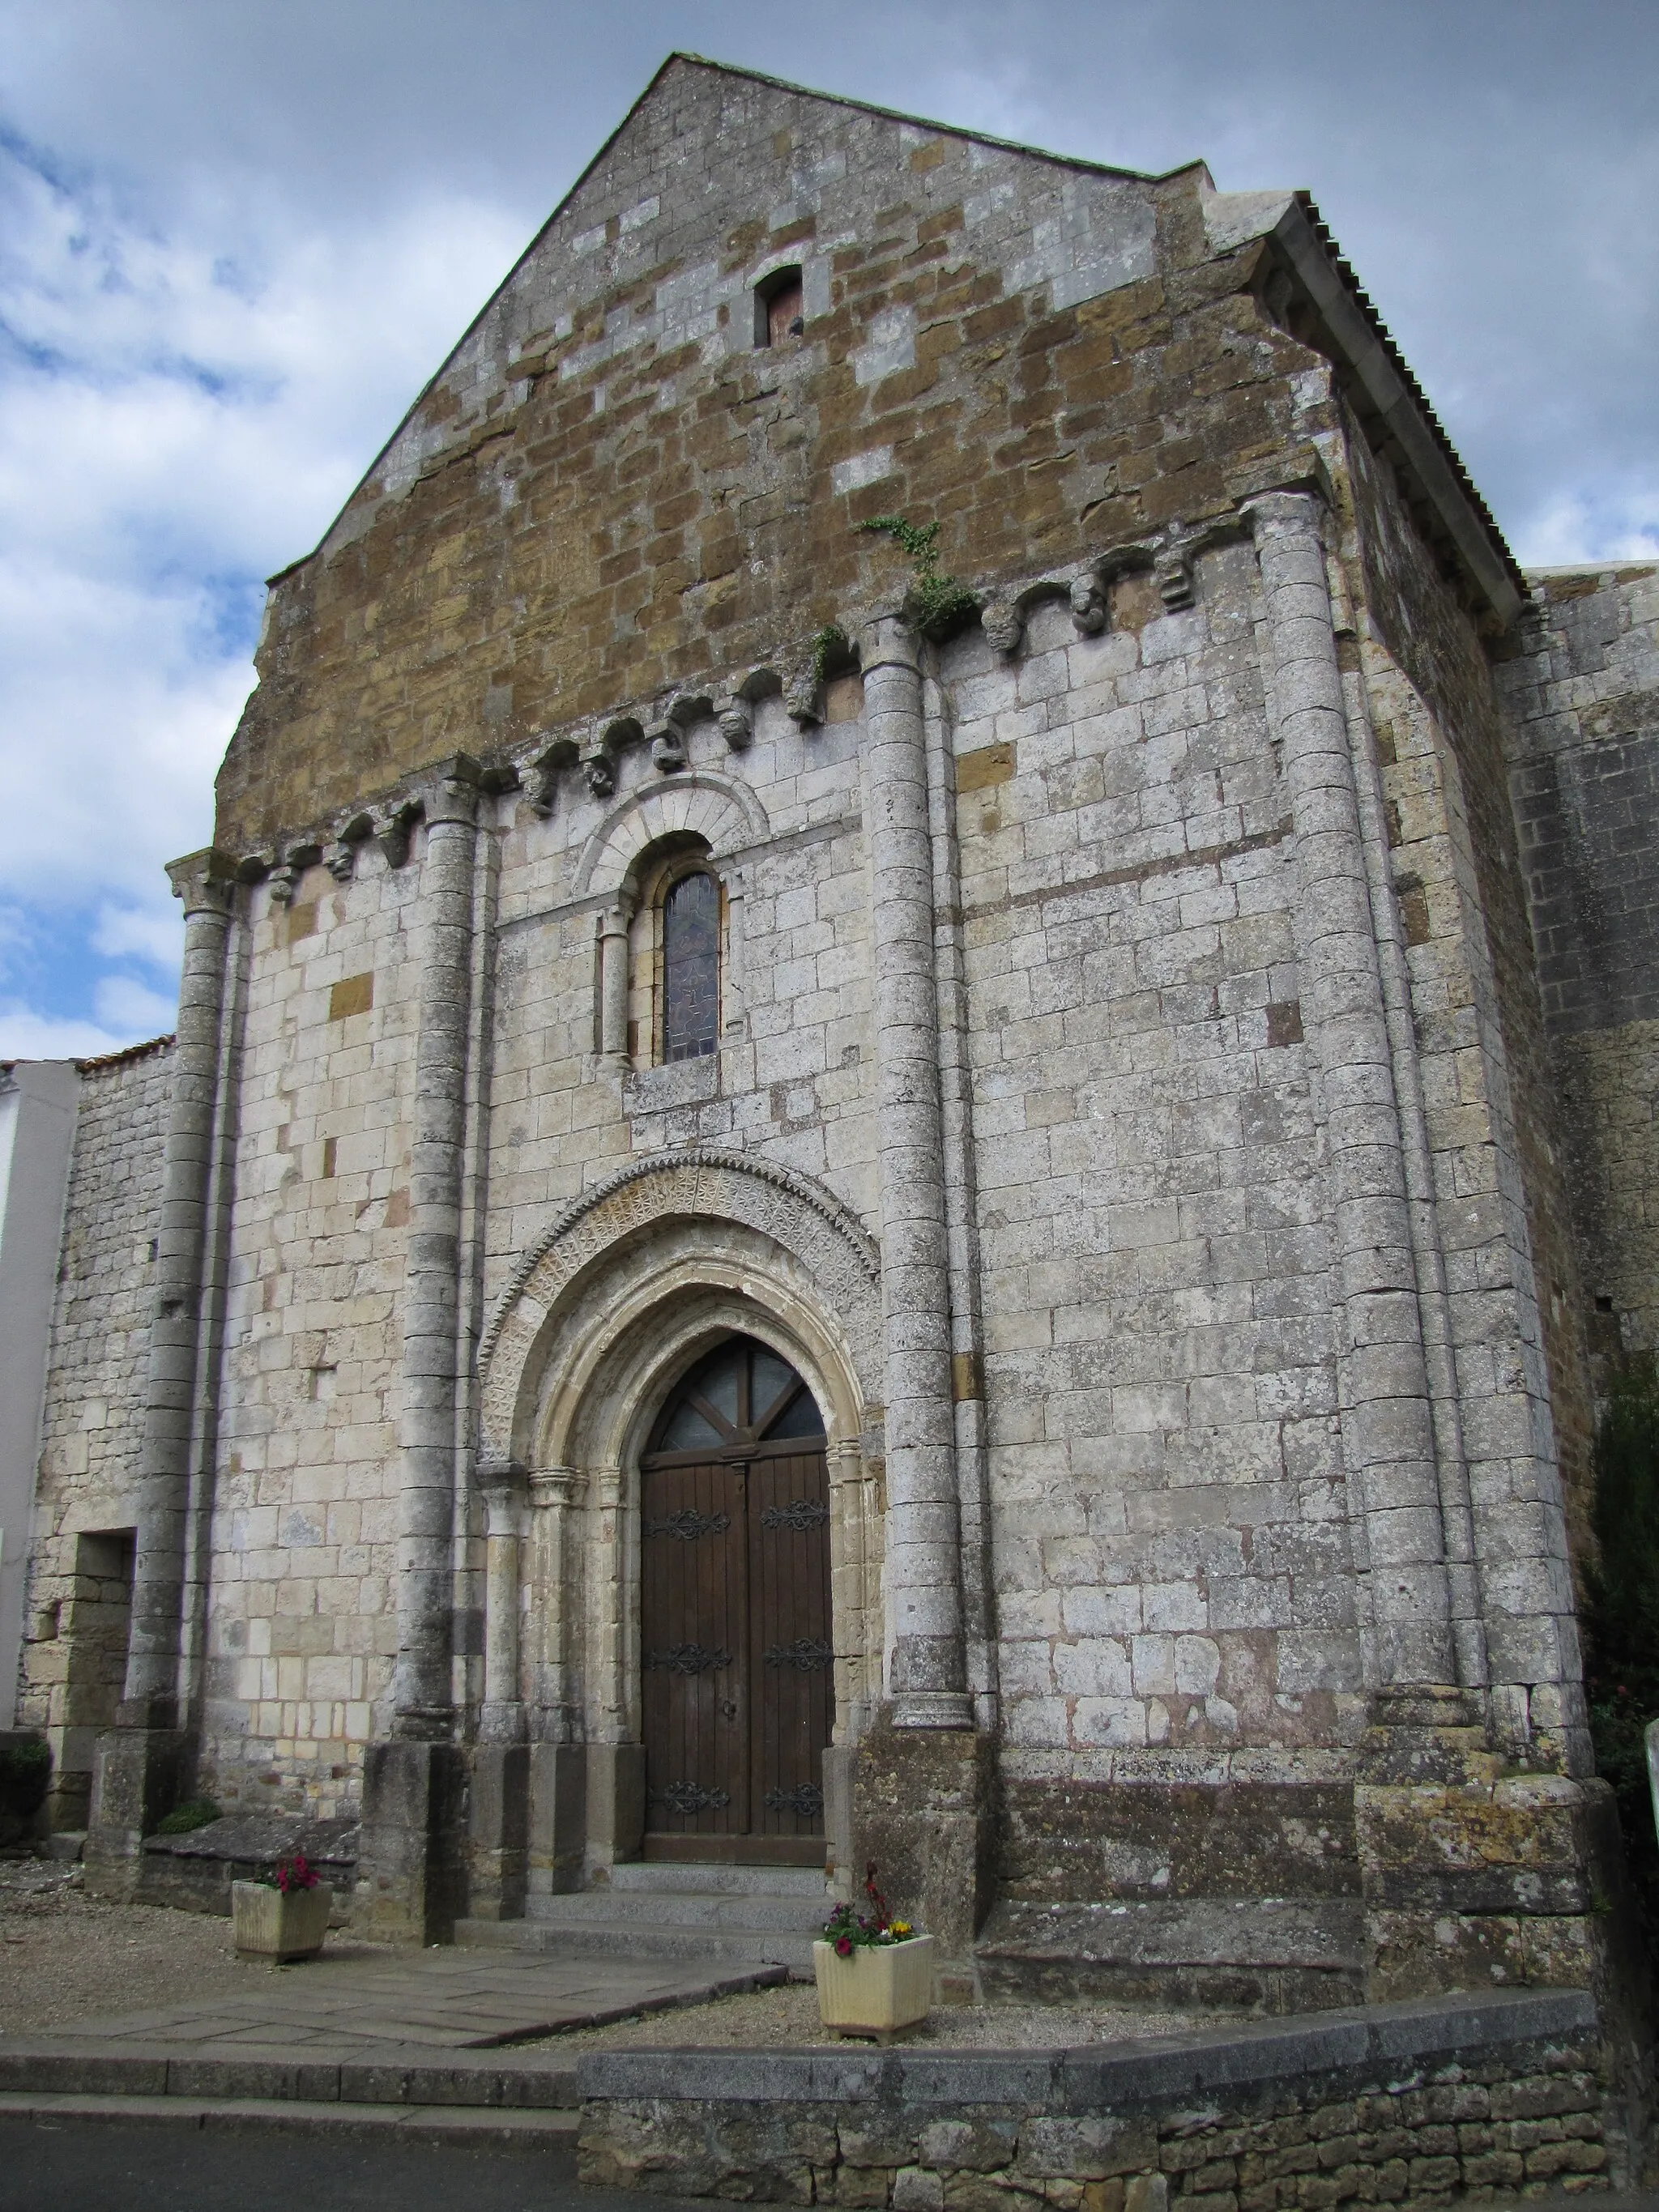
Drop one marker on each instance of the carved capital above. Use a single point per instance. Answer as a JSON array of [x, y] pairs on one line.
[[1287, 512], [205, 881], [494, 1473], [887, 642], [452, 795], [557, 1486]]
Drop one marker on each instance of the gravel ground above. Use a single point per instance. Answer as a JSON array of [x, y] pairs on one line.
[[765, 2019], [66, 1956]]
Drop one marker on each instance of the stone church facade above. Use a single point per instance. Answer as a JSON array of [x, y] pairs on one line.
[[800, 1215]]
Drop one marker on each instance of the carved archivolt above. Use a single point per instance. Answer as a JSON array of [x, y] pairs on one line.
[[715, 807], [747, 1208]]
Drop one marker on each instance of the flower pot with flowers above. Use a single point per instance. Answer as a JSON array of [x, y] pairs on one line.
[[875, 1974], [283, 1915]]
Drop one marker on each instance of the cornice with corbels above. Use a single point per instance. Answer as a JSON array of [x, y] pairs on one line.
[[593, 750]]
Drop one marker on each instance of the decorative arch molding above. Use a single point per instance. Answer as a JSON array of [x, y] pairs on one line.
[[716, 807], [743, 1211]]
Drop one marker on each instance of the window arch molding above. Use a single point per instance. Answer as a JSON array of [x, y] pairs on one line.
[[725, 813]]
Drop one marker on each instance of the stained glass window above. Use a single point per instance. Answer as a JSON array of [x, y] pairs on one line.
[[691, 967]]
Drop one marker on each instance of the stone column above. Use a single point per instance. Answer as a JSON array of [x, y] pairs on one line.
[[204, 883], [498, 1803], [141, 1766], [502, 1720], [412, 1862], [422, 1694], [921, 1781], [927, 1679], [1470, 1874], [1387, 1422], [613, 981], [962, 1220], [557, 1844]]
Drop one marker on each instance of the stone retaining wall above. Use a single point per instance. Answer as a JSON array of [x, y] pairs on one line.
[[1397, 2105]]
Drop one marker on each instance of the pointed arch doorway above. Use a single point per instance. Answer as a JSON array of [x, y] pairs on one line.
[[736, 1660]]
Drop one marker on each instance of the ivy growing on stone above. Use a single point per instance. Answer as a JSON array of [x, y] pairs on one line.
[[831, 652], [936, 606]]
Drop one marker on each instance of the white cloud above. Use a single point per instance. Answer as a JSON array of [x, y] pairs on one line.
[[130, 1009], [168, 436], [27, 1035], [154, 937]]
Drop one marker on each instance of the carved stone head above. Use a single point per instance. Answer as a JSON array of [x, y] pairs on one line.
[[1088, 604], [1004, 625]]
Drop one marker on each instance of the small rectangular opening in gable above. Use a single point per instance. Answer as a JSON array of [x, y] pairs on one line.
[[780, 313]]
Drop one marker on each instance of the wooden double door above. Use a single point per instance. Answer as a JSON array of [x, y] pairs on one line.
[[736, 1653]]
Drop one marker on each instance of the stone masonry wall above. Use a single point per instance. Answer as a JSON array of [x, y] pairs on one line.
[[790, 1078], [608, 492], [1581, 693], [302, 1622], [94, 1410], [1171, 1555], [1501, 1204]]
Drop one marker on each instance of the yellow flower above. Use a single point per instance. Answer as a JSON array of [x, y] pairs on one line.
[[899, 1927]]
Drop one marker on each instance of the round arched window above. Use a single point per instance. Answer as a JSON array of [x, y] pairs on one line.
[[690, 968]]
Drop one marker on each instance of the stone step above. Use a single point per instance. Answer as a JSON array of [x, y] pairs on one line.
[[661, 1878], [696, 1908], [1264, 1954], [615, 1938]]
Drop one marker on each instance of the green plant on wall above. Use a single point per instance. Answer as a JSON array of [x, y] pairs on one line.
[[1621, 1614], [832, 653], [937, 606]]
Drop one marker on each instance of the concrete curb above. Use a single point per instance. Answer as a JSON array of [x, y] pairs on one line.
[[463, 2128], [320, 2078]]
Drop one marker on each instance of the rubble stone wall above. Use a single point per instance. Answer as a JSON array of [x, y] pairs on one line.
[[1247, 2133], [93, 1418]]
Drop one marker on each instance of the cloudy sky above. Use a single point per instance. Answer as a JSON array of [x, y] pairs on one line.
[[235, 240]]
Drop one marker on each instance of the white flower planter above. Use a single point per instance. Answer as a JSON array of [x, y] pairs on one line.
[[269, 1925], [875, 1989]]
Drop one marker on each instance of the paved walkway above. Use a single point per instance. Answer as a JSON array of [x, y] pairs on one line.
[[434, 2000]]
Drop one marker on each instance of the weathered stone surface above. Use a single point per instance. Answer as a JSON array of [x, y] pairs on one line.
[[1130, 1107], [923, 1812], [1403, 2099]]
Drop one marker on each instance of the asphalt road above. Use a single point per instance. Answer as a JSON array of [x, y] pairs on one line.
[[106, 2167]]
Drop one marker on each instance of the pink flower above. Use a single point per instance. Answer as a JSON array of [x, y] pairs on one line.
[[844, 1946]]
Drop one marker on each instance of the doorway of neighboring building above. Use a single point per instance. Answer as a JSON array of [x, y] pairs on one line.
[[734, 1614]]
